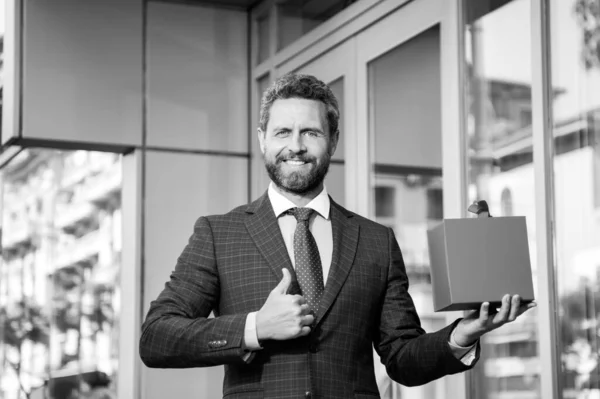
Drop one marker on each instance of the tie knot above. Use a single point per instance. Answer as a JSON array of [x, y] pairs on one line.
[[301, 214]]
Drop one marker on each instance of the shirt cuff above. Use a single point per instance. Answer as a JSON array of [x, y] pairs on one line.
[[250, 338], [465, 354]]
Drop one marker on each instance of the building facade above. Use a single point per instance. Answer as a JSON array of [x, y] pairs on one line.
[[123, 121]]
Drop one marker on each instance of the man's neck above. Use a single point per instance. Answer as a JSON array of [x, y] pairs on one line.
[[300, 200]]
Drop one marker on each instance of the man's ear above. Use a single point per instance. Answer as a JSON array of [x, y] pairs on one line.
[[261, 139]]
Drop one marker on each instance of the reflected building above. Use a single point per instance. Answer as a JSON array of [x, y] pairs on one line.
[[504, 157], [61, 257]]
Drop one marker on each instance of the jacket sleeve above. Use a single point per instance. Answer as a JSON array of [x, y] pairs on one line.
[[411, 356], [177, 331]]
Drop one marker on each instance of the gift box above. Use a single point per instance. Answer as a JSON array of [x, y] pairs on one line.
[[478, 260]]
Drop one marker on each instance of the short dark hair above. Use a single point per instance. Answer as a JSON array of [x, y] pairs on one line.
[[294, 85]]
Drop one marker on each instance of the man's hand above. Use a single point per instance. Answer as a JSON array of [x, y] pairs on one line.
[[283, 316], [479, 322]]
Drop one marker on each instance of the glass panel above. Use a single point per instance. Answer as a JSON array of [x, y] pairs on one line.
[[90, 57], [500, 170], [264, 38], [59, 292], [404, 88], [405, 103], [297, 17], [575, 65], [197, 77], [175, 197]]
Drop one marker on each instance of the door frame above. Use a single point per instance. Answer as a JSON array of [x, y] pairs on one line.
[[343, 47]]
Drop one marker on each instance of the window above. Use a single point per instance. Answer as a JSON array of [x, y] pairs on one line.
[[500, 169], [59, 292], [575, 67]]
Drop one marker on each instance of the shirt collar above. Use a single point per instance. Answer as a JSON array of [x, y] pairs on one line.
[[281, 204]]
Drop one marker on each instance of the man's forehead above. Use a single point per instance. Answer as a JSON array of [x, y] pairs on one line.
[[291, 108], [298, 102]]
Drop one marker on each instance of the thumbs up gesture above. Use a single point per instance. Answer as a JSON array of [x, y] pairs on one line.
[[283, 316]]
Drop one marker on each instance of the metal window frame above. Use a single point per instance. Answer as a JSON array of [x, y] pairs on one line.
[[131, 277], [543, 149], [13, 84], [454, 139]]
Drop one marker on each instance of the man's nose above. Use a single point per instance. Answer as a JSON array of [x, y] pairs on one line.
[[296, 143]]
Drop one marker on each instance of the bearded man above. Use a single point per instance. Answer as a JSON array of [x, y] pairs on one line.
[[301, 288]]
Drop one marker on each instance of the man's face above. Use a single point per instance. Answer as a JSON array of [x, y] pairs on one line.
[[297, 145]]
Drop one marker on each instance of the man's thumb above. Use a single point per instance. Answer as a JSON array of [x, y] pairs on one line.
[[285, 282]]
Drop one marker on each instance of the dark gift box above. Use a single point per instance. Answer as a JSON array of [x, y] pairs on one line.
[[479, 260]]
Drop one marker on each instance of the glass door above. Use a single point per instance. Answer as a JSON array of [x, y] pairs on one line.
[[399, 96]]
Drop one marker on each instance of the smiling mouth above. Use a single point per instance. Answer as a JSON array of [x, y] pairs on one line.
[[295, 162]]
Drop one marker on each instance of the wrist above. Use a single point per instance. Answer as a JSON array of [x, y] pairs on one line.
[[460, 339], [260, 331]]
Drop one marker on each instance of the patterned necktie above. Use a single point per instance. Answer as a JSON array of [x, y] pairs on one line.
[[308, 260]]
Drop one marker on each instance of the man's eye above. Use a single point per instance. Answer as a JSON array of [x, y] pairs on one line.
[[282, 133], [311, 133]]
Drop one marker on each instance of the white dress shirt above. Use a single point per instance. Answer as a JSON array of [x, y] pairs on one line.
[[320, 227]]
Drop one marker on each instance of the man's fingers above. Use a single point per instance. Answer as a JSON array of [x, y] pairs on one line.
[[305, 331], [525, 307], [304, 309], [502, 315], [308, 320], [285, 282], [484, 312], [515, 306], [298, 299]]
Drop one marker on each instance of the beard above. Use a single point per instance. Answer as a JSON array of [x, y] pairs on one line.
[[298, 182]]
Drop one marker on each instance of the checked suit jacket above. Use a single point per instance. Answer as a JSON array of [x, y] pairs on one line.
[[230, 265]]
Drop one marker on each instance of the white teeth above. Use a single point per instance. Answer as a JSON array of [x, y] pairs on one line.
[[295, 162]]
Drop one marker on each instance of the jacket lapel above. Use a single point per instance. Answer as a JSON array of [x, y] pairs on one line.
[[263, 228], [345, 241]]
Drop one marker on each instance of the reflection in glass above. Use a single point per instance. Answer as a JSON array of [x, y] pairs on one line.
[[297, 17], [59, 293], [410, 204], [500, 170], [404, 92], [575, 66]]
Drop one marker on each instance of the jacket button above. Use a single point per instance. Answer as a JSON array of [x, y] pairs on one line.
[[308, 395], [313, 348]]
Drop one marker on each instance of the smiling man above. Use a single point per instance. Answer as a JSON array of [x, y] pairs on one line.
[[301, 288], [297, 145]]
